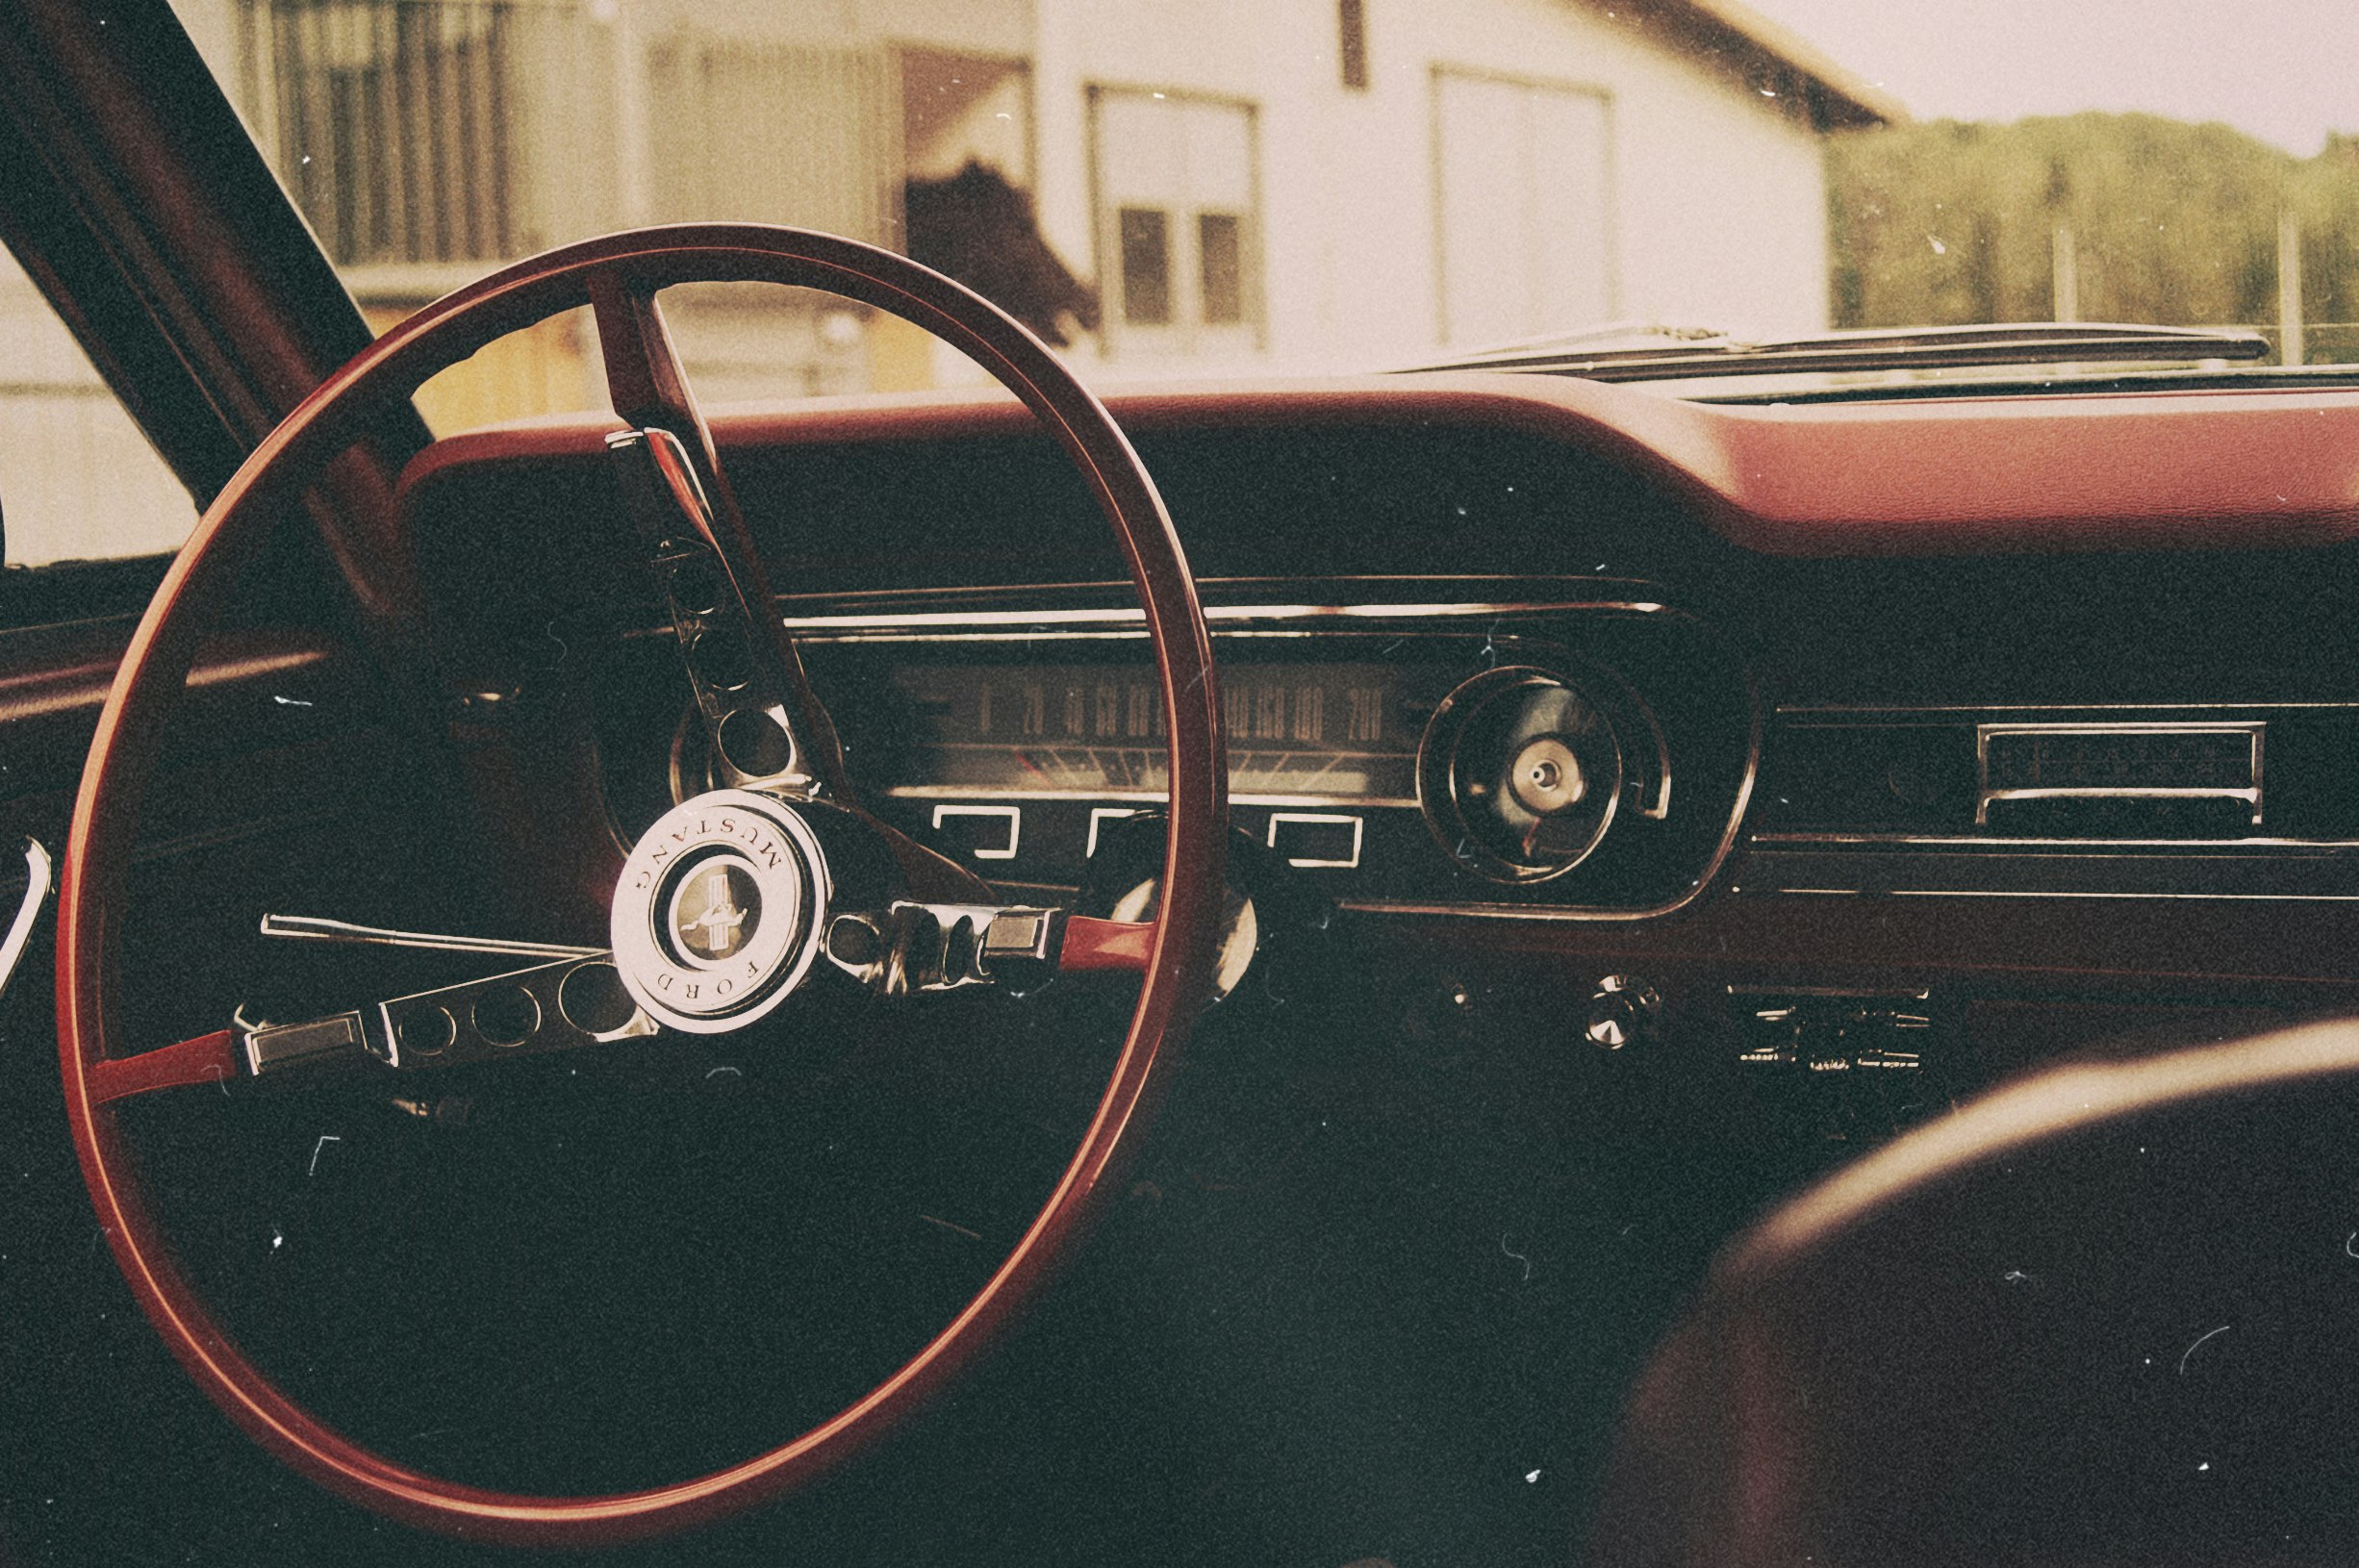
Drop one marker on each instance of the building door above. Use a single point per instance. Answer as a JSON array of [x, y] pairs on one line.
[[1178, 243], [1524, 202]]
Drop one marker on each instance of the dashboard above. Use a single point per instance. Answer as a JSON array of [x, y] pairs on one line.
[[1794, 740]]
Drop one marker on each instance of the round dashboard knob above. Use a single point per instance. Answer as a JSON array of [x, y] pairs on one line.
[[1546, 778], [1519, 775], [1622, 1011]]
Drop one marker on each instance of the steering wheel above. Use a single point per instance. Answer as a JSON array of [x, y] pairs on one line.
[[729, 906]]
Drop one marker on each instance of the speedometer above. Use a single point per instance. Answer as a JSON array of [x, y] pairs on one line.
[[1299, 734]]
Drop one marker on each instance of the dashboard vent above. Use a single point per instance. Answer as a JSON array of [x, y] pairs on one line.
[[2209, 775]]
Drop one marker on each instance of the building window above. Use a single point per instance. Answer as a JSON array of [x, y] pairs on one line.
[[1146, 267], [1523, 207], [782, 133], [417, 131], [1177, 198], [1351, 42], [395, 121]]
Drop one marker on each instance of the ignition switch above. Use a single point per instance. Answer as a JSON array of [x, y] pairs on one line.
[[1623, 1011]]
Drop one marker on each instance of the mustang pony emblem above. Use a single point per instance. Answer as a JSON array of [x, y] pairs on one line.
[[718, 930]]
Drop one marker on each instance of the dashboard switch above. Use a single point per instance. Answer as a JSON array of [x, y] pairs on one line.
[[982, 832], [1098, 817], [1860, 1065], [1622, 1011], [1317, 840]]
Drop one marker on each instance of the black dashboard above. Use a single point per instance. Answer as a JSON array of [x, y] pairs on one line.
[[1554, 693]]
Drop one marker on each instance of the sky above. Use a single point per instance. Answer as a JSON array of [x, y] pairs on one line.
[[2284, 70]]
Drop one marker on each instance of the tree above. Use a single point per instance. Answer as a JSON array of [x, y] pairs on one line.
[[1951, 221]]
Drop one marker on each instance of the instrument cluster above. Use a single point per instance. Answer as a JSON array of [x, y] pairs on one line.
[[1589, 755]]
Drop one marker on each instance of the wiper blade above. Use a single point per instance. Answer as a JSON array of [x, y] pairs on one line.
[[1679, 353]]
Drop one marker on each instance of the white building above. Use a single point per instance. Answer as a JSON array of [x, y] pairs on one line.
[[1249, 183], [1509, 167]]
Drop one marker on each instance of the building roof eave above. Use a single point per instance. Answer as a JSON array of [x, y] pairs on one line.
[[1733, 36]]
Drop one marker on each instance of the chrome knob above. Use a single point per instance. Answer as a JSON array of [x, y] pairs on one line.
[[1519, 773], [1622, 1010], [1546, 778]]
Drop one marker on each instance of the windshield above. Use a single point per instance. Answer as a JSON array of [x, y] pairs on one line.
[[1189, 188], [1342, 184], [1339, 185]]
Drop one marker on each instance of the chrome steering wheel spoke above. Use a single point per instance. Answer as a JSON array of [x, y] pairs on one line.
[[562, 1005], [767, 730], [910, 946], [555, 1006]]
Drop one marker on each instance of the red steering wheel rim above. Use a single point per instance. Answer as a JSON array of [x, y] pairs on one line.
[[123, 755]]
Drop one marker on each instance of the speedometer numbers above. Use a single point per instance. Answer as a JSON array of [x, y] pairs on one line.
[[1327, 734]]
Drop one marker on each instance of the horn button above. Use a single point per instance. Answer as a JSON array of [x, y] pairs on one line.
[[716, 914]]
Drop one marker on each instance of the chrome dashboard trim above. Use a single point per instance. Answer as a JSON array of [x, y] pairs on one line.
[[2052, 892], [1896, 992], [1903, 709], [1319, 818], [1214, 613], [1713, 865], [1006, 624], [986, 791], [2254, 733], [1098, 817], [2047, 893], [2066, 718], [1012, 816], [1962, 841]]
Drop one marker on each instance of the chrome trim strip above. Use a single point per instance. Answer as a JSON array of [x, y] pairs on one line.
[[1548, 914], [1893, 993], [38, 879], [1012, 816], [1107, 634], [1098, 816], [954, 619], [986, 791], [2254, 734], [1544, 913], [68, 699], [1938, 840], [1319, 818], [2223, 898], [1898, 709], [938, 634]]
